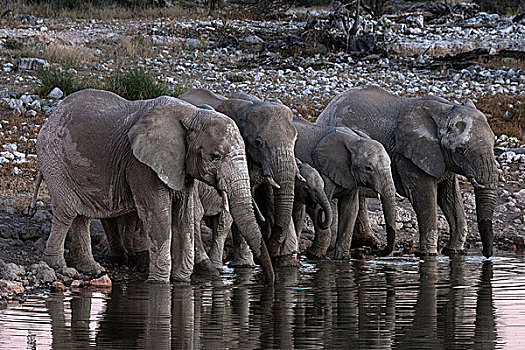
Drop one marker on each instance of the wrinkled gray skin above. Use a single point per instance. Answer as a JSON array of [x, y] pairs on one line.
[[127, 243], [269, 135], [310, 198], [430, 140], [103, 156], [346, 160]]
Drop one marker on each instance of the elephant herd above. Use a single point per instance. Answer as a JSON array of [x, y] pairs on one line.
[[151, 170]]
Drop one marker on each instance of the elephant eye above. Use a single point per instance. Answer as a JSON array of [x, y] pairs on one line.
[[258, 142], [369, 168], [460, 150], [215, 156]]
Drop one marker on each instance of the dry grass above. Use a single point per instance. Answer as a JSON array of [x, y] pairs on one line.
[[67, 56], [306, 108], [86, 10], [506, 113]]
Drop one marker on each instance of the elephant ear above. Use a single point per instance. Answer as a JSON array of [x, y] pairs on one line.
[[232, 107], [416, 139], [201, 97], [158, 139], [245, 96], [332, 157]]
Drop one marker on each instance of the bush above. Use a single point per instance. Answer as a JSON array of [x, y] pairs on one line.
[[54, 77], [136, 84], [504, 7], [133, 84]]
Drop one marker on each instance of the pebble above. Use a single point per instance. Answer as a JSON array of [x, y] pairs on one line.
[[55, 94]]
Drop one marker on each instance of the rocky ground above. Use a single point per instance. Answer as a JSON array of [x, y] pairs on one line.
[[290, 60]]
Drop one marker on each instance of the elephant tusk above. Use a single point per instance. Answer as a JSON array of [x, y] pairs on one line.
[[272, 182], [301, 178], [260, 216], [476, 184], [225, 202]]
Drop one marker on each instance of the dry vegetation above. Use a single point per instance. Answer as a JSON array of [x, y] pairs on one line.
[[506, 113]]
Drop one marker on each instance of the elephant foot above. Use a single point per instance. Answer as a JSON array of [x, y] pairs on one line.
[[365, 239], [56, 261], [386, 251], [450, 251], [423, 253], [205, 271], [273, 246], [176, 277], [242, 262], [88, 267], [289, 260], [313, 253], [341, 255], [217, 264], [140, 261], [120, 258]]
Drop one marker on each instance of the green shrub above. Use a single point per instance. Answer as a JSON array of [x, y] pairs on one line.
[[67, 82], [136, 84]]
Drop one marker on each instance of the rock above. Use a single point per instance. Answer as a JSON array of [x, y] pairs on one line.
[[11, 271], [77, 284], [58, 287], [25, 63], [4, 93], [42, 216], [10, 210], [102, 282], [43, 272], [31, 113], [55, 94], [11, 287], [70, 272]]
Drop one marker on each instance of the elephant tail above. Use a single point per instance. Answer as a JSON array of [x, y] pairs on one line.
[[31, 210]]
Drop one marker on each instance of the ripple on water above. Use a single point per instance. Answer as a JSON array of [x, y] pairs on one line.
[[385, 303]]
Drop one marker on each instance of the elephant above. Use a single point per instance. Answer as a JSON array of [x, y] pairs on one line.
[[310, 198], [430, 141], [347, 160], [128, 244], [267, 130], [103, 156]]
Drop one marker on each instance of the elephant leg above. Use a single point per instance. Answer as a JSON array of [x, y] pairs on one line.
[[322, 238], [203, 267], [54, 252], [242, 255], [451, 203], [117, 253], [182, 241], [220, 227], [348, 208], [80, 252], [298, 216], [424, 201], [363, 235], [287, 253]]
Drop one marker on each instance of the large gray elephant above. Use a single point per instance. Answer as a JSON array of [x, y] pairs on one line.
[[311, 199], [267, 130], [103, 156], [346, 159], [430, 140]]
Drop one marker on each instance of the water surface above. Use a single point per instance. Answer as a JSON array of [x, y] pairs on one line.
[[400, 303]]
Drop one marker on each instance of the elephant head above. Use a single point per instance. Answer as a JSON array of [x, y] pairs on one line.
[[352, 159], [269, 134], [309, 190], [205, 145], [437, 135]]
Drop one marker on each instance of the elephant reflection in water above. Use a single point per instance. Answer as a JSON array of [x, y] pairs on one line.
[[448, 326]]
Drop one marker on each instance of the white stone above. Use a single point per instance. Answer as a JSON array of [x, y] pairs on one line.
[[55, 94]]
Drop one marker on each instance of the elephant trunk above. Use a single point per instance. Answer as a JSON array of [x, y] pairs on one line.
[[326, 209], [485, 183], [388, 195], [284, 175], [485, 203], [240, 203]]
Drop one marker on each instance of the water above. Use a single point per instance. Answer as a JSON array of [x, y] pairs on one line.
[[400, 303]]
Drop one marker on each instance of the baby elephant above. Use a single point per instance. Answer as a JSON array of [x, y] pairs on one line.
[[311, 199]]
